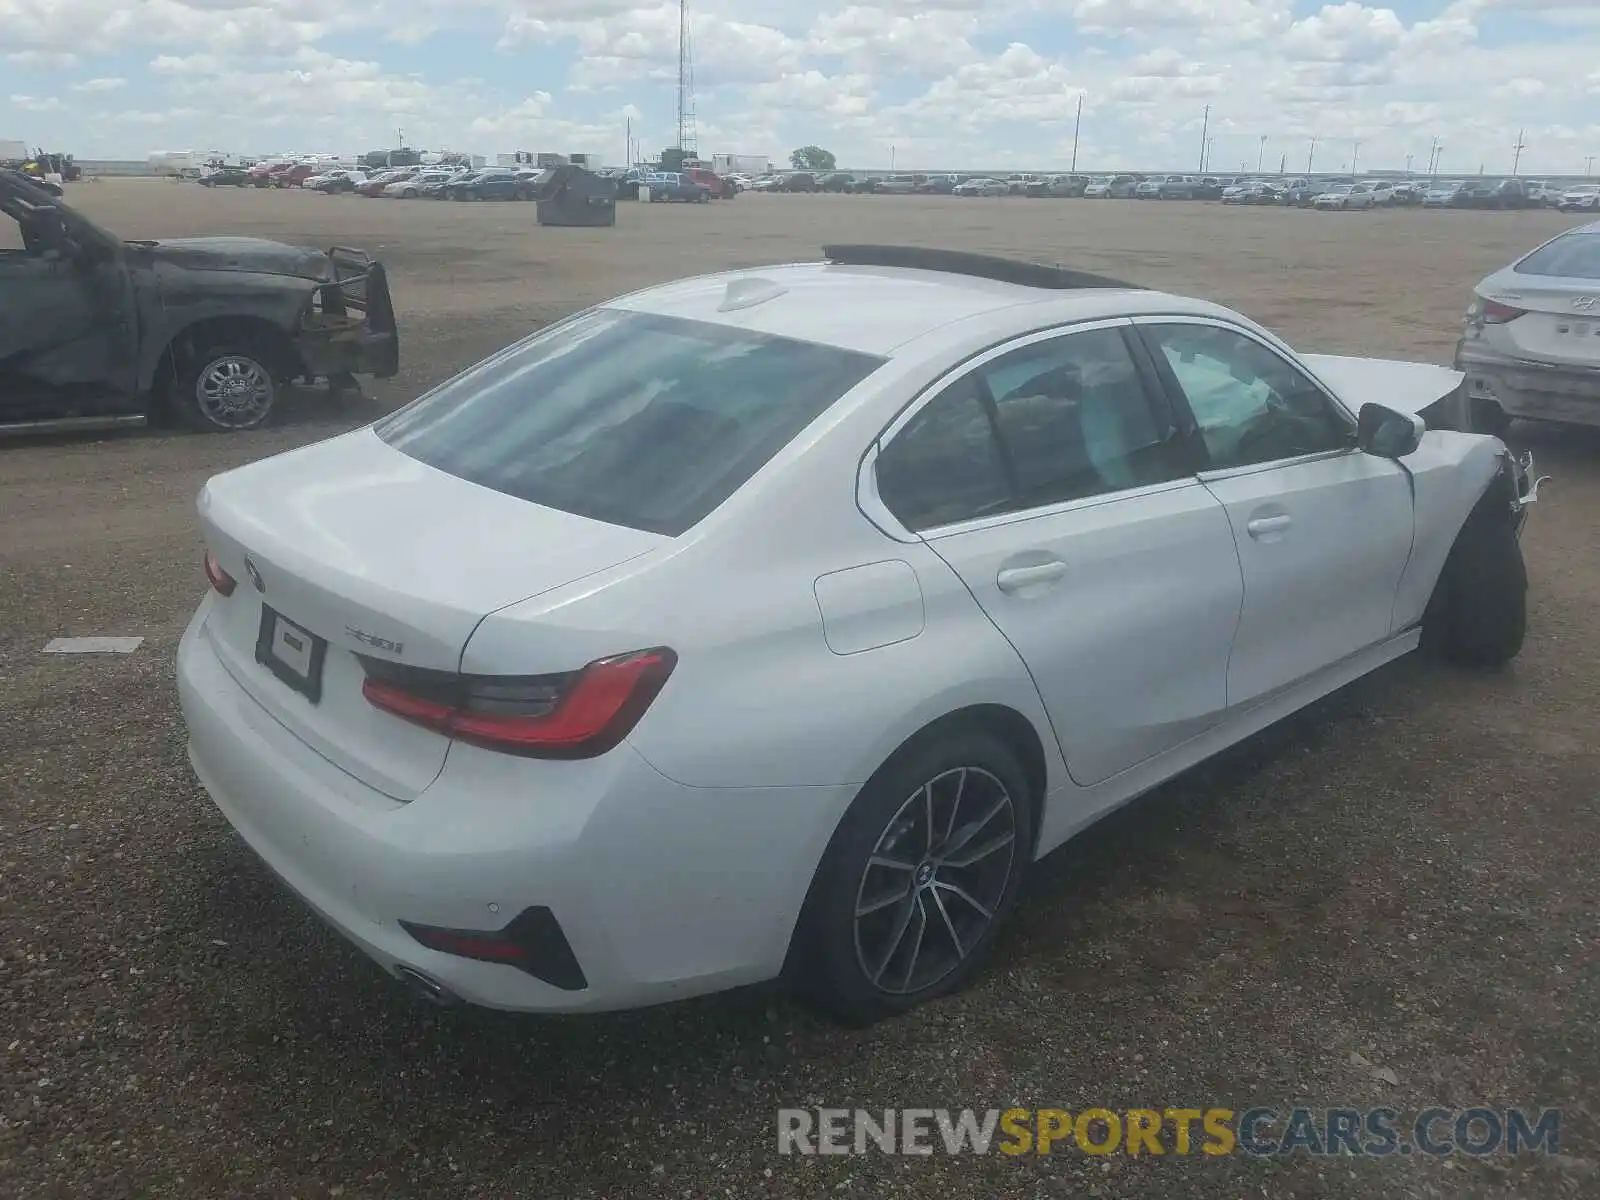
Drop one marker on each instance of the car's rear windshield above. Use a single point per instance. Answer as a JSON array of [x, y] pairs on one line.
[[1571, 256], [629, 418]]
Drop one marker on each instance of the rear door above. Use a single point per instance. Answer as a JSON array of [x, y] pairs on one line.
[[1046, 476], [1323, 530], [1558, 289]]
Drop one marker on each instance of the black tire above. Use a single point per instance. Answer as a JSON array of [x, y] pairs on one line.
[[966, 767], [199, 375], [1478, 613]]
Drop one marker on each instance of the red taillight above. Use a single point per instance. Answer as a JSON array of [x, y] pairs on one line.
[[580, 715], [220, 579], [1495, 313]]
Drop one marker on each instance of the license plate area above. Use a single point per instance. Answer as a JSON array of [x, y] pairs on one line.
[[295, 655]]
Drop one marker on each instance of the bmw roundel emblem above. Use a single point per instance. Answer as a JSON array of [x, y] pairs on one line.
[[255, 573]]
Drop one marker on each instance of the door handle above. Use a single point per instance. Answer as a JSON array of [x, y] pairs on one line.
[[1261, 526], [1014, 579]]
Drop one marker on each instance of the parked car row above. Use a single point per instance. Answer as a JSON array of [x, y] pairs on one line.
[[1325, 192], [398, 183]]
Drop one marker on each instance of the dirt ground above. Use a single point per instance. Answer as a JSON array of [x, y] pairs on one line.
[[1407, 875]]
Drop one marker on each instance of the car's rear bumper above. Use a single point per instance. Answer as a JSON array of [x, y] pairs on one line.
[[1532, 390], [661, 891]]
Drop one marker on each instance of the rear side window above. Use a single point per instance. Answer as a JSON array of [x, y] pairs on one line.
[[1570, 256], [629, 418], [1058, 420]]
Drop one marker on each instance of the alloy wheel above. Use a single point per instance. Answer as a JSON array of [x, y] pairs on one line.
[[235, 391], [935, 880]]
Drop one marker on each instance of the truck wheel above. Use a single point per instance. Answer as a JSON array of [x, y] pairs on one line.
[[225, 388], [919, 877], [1478, 613]]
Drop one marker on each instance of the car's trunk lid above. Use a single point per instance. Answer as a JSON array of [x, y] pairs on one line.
[[373, 553], [1561, 321]]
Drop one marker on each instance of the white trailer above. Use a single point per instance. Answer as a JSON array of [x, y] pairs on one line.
[[13, 151], [740, 164]]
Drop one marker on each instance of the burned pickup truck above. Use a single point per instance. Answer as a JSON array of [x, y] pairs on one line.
[[207, 332]]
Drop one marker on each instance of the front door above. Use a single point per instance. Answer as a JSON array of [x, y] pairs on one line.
[[67, 321], [1323, 530], [1046, 478]]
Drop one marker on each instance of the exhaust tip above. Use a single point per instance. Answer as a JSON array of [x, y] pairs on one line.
[[431, 990]]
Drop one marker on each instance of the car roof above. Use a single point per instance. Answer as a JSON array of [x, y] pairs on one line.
[[877, 309]]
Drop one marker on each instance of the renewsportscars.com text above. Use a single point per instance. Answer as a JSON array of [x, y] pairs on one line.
[[1260, 1132]]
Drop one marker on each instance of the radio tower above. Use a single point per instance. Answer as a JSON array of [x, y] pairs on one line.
[[688, 140]]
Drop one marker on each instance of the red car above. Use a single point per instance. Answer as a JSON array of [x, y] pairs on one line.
[[720, 188], [290, 175]]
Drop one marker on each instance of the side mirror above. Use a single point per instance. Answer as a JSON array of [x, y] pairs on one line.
[[1388, 434]]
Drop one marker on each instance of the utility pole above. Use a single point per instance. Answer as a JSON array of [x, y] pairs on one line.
[[1311, 154], [1408, 164], [1355, 155], [1516, 153], [1588, 166], [891, 160], [1205, 128], [1077, 128], [627, 148], [1261, 154], [1211, 147], [1283, 164]]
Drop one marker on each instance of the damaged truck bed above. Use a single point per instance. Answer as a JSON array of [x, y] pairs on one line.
[[207, 332]]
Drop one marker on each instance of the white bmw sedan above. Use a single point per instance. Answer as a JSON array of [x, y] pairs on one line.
[[772, 623]]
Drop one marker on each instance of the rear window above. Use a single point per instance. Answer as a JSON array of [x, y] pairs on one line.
[[629, 418], [1570, 256]]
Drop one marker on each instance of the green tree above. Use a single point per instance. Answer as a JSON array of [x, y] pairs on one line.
[[813, 158]]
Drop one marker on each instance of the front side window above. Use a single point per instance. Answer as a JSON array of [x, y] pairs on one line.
[[1059, 420], [630, 418], [1250, 404]]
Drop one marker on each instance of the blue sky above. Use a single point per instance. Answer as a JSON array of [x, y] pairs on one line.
[[938, 83]]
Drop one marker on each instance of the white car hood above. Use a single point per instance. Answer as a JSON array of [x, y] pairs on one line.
[[1406, 387]]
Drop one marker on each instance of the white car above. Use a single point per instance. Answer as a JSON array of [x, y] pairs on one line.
[[1531, 342], [982, 187], [773, 622], [1345, 195], [410, 189], [1585, 197], [1098, 189], [339, 180]]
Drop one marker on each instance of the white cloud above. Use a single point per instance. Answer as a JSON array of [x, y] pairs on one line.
[[943, 82], [41, 60]]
